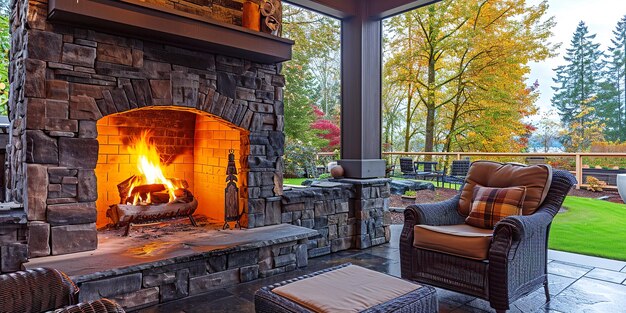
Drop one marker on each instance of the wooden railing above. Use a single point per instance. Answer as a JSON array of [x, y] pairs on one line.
[[510, 156]]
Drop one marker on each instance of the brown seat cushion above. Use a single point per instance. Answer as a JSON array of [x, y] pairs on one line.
[[348, 289], [461, 240], [490, 205], [536, 179]]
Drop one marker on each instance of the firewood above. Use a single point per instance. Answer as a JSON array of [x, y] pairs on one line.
[[160, 197], [124, 187], [179, 183], [122, 214], [145, 189]]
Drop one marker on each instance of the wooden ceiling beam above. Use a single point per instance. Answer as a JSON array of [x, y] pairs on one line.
[[376, 9], [383, 9], [339, 9]]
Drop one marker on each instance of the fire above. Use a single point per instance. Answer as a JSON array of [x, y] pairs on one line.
[[149, 168]]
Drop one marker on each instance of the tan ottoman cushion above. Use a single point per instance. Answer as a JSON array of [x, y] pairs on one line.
[[348, 289]]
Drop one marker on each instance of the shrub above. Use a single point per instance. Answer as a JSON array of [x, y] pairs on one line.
[[300, 159], [410, 193], [324, 176], [595, 184]]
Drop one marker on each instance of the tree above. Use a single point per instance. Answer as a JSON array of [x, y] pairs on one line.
[[577, 82], [611, 107], [583, 131], [313, 75], [328, 130], [547, 132], [461, 65]]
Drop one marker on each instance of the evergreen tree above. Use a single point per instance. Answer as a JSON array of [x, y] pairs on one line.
[[578, 81], [612, 97]]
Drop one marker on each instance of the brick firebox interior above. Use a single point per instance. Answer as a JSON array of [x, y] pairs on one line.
[[193, 146]]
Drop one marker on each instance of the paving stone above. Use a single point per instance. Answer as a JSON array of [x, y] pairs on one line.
[[590, 295], [567, 270], [606, 275]]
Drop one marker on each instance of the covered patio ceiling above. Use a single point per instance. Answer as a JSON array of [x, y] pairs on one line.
[[361, 77]]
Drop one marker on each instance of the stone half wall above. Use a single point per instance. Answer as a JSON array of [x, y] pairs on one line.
[[64, 79], [352, 214]]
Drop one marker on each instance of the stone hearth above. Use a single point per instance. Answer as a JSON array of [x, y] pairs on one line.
[[143, 271]]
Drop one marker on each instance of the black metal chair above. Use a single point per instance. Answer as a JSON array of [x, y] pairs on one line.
[[458, 172], [407, 168], [427, 170]]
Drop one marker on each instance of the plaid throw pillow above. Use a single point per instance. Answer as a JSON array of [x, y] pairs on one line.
[[490, 205]]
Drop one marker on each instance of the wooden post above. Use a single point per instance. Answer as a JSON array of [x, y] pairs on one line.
[[579, 170]]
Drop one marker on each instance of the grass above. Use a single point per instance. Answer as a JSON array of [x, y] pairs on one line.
[[591, 227], [293, 181]]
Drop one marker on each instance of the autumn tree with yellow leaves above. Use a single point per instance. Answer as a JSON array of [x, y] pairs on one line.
[[457, 70]]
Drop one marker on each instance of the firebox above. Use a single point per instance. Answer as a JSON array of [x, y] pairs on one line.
[[148, 155]]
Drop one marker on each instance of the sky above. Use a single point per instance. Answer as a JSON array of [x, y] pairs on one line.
[[601, 17]]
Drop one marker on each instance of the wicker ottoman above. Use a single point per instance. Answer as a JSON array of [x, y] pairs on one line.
[[346, 288]]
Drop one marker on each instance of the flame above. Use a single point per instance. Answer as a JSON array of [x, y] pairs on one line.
[[149, 167]]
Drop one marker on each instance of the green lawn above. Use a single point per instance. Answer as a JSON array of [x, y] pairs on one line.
[[591, 227], [293, 181]]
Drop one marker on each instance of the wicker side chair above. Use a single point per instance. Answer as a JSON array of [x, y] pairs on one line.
[[516, 262], [36, 290], [44, 290]]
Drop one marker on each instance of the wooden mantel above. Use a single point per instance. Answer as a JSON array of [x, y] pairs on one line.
[[161, 24]]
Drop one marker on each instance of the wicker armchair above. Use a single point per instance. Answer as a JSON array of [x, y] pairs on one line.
[[517, 257], [44, 290]]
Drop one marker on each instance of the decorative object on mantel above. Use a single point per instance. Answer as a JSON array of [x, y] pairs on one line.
[[251, 15], [272, 11], [337, 171], [231, 193]]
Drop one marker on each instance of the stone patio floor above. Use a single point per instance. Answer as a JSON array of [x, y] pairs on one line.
[[577, 284]]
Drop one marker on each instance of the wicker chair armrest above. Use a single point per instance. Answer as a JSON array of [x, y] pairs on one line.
[[523, 227], [98, 306], [439, 213]]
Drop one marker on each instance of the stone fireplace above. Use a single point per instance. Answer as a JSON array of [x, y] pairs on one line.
[[78, 102], [89, 76]]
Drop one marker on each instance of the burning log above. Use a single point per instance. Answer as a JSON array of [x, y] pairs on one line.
[[128, 214], [149, 196]]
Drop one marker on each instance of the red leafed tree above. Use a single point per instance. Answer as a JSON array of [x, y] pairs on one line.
[[328, 130]]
